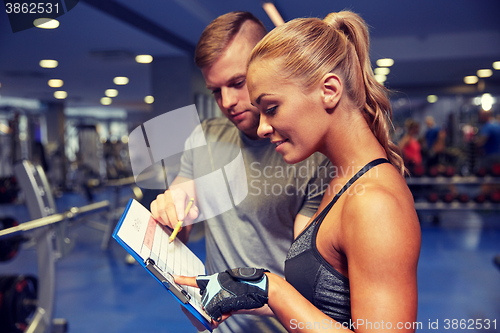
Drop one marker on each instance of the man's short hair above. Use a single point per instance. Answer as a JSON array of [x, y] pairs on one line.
[[220, 32]]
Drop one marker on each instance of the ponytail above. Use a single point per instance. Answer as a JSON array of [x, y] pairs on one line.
[[373, 98]]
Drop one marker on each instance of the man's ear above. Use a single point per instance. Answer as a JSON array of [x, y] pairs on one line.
[[331, 90]]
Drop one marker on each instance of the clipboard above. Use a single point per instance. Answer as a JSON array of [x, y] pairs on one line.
[[147, 241]]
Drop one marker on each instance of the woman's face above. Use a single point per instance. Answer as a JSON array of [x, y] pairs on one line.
[[291, 117]]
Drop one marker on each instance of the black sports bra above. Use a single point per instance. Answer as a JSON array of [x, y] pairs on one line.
[[311, 274]]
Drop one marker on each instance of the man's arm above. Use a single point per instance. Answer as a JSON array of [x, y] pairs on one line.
[[481, 140], [482, 136]]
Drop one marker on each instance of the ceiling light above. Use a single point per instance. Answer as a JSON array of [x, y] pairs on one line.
[[496, 65], [487, 102], [149, 99], [124, 138], [120, 80], [111, 92], [48, 63], [46, 23], [4, 128], [60, 94], [382, 71], [386, 62], [380, 78], [144, 58], [273, 13], [484, 73], [471, 79], [55, 83], [432, 98], [106, 101]]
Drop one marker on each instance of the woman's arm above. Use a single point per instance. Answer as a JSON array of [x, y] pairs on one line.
[[381, 240], [295, 312], [382, 245]]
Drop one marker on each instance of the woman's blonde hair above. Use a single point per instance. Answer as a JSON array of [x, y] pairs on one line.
[[309, 48]]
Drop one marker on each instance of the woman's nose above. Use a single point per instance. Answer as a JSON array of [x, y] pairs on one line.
[[265, 129]]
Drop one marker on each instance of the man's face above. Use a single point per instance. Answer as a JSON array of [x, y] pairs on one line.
[[226, 78]]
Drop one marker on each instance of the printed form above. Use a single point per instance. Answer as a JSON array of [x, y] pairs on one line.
[[150, 239]]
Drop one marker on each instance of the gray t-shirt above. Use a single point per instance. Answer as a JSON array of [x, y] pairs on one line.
[[251, 198]]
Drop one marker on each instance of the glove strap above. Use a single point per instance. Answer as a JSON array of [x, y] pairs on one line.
[[247, 273]]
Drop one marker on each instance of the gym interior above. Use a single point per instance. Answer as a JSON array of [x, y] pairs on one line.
[[71, 95]]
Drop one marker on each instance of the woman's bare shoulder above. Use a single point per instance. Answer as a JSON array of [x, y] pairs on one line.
[[384, 211]]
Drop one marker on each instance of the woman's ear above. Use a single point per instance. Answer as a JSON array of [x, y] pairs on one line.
[[331, 90]]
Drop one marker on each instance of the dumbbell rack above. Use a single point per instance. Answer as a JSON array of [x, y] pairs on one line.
[[40, 202], [455, 180], [51, 243]]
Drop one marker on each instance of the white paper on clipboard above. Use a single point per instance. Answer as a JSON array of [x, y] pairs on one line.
[[148, 242]]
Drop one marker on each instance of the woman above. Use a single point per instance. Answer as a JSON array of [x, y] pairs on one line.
[[410, 145], [355, 263]]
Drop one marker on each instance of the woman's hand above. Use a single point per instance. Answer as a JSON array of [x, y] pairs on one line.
[[226, 292], [190, 281]]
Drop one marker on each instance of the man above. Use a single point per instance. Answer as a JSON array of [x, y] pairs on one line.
[[258, 230], [432, 132], [489, 136], [435, 142]]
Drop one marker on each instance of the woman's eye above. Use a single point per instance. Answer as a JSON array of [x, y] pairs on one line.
[[271, 111]]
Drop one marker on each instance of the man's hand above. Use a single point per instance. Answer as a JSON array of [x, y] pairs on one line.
[[168, 208]]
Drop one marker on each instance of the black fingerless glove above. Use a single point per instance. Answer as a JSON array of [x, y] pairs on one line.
[[234, 289]]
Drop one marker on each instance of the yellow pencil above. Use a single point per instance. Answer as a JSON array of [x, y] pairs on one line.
[[179, 224]]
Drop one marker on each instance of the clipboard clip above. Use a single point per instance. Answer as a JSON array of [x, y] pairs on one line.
[[167, 281]]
